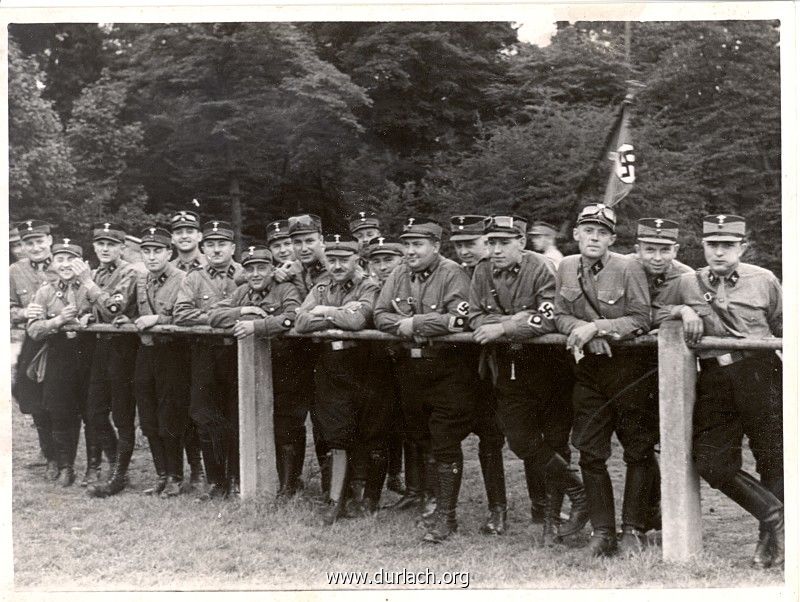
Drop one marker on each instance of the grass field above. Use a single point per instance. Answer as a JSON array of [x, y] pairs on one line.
[[66, 541]]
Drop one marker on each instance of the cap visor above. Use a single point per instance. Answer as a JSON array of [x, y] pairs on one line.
[[503, 235], [458, 237], [217, 237], [384, 252], [111, 238], [418, 235], [723, 238], [152, 243], [337, 253], [255, 260]]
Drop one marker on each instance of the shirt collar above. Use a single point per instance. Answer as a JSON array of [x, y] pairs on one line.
[[511, 270], [215, 273], [63, 285], [41, 265], [423, 275], [731, 279], [160, 280]]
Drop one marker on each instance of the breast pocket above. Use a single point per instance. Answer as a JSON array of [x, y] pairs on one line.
[[611, 300], [751, 316], [570, 294]]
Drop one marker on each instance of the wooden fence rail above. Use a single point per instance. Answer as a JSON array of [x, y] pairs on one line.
[[677, 367]]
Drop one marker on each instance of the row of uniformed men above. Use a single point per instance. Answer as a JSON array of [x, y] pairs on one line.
[[598, 297]]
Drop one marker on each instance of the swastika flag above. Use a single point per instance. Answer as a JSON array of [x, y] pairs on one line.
[[622, 156]]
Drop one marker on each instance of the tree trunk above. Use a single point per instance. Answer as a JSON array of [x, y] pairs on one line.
[[236, 210]]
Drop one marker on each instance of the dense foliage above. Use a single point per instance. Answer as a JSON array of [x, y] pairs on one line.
[[260, 120]]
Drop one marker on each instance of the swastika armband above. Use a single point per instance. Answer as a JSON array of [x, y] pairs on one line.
[[547, 310], [535, 321], [457, 323], [462, 308], [288, 323]]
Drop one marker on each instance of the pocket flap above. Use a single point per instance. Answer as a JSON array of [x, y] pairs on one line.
[[570, 293], [610, 296]]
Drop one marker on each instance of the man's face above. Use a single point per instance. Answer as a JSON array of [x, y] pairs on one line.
[[308, 247], [505, 252], [62, 264], [383, 264], [364, 235], [340, 268], [186, 239], [18, 250], [282, 250], [155, 258], [723, 257], [542, 242], [420, 252], [107, 251], [219, 252], [593, 240], [258, 275], [37, 247], [656, 258], [471, 252]]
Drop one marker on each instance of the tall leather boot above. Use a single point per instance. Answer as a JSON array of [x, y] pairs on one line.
[[600, 495], [214, 469], [654, 509], [107, 440], [94, 457], [443, 523], [194, 457], [118, 480], [299, 447], [761, 503], [287, 471], [44, 431], [338, 465], [377, 464], [324, 461], [159, 462], [431, 486], [173, 463], [636, 506], [494, 481], [558, 471], [414, 469], [554, 496], [536, 490], [395, 463], [62, 442]]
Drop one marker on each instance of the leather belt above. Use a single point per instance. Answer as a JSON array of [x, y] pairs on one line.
[[726, 359]]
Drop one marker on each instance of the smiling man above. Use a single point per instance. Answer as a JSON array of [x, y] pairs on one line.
[[351, 420], [601, 297], [426, 297], [214, 406], [265, 308], [739, 392], [63, 301]]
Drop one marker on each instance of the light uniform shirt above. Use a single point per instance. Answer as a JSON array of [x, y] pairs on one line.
[[617, 286], [25, 278], [111, 292], [554, 255], [750, 301], [437, 298], [664, 294], [279, 301], [519, 297], [196, 262], [305, 278], [360, 289], [200, 291], [54, 297]]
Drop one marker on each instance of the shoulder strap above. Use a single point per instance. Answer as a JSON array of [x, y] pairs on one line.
[[709, 295], [588, 297]]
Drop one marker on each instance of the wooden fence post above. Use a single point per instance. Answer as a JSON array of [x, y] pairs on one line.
[[682, 534], [258, 475]]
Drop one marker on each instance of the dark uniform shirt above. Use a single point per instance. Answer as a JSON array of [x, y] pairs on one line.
[[200, 291], [618, 288], [519, 297], [112, 293], [750, 301], [306, 277], [157, 295], [54, 297], [279, 301], [436, 297], [328, 292], [664, 295], [25, 278]]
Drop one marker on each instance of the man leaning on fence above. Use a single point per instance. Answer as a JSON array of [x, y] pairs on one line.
[[265, 308], [739, 392], [424, 298], [351, 420], [603, 297]]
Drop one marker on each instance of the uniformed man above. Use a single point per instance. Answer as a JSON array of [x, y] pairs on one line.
[[161, 389], [214, 402], [364, 226], [512, 297], [602, 297], [26, 276], [109, 289], [739, 392], [266, 308], [383, 255], [351, 419], [543, 240], [282, 250], [65, 373], [424, 298], [15, 244], [656, 248], [132, 253], [305, 231], [467, 237]]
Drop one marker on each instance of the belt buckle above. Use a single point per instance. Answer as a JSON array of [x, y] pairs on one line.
[[725, 359], [71, 334], [147, 339], [337, 345], [416, 352]]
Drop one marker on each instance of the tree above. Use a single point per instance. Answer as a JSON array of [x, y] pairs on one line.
[[41, 177]]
